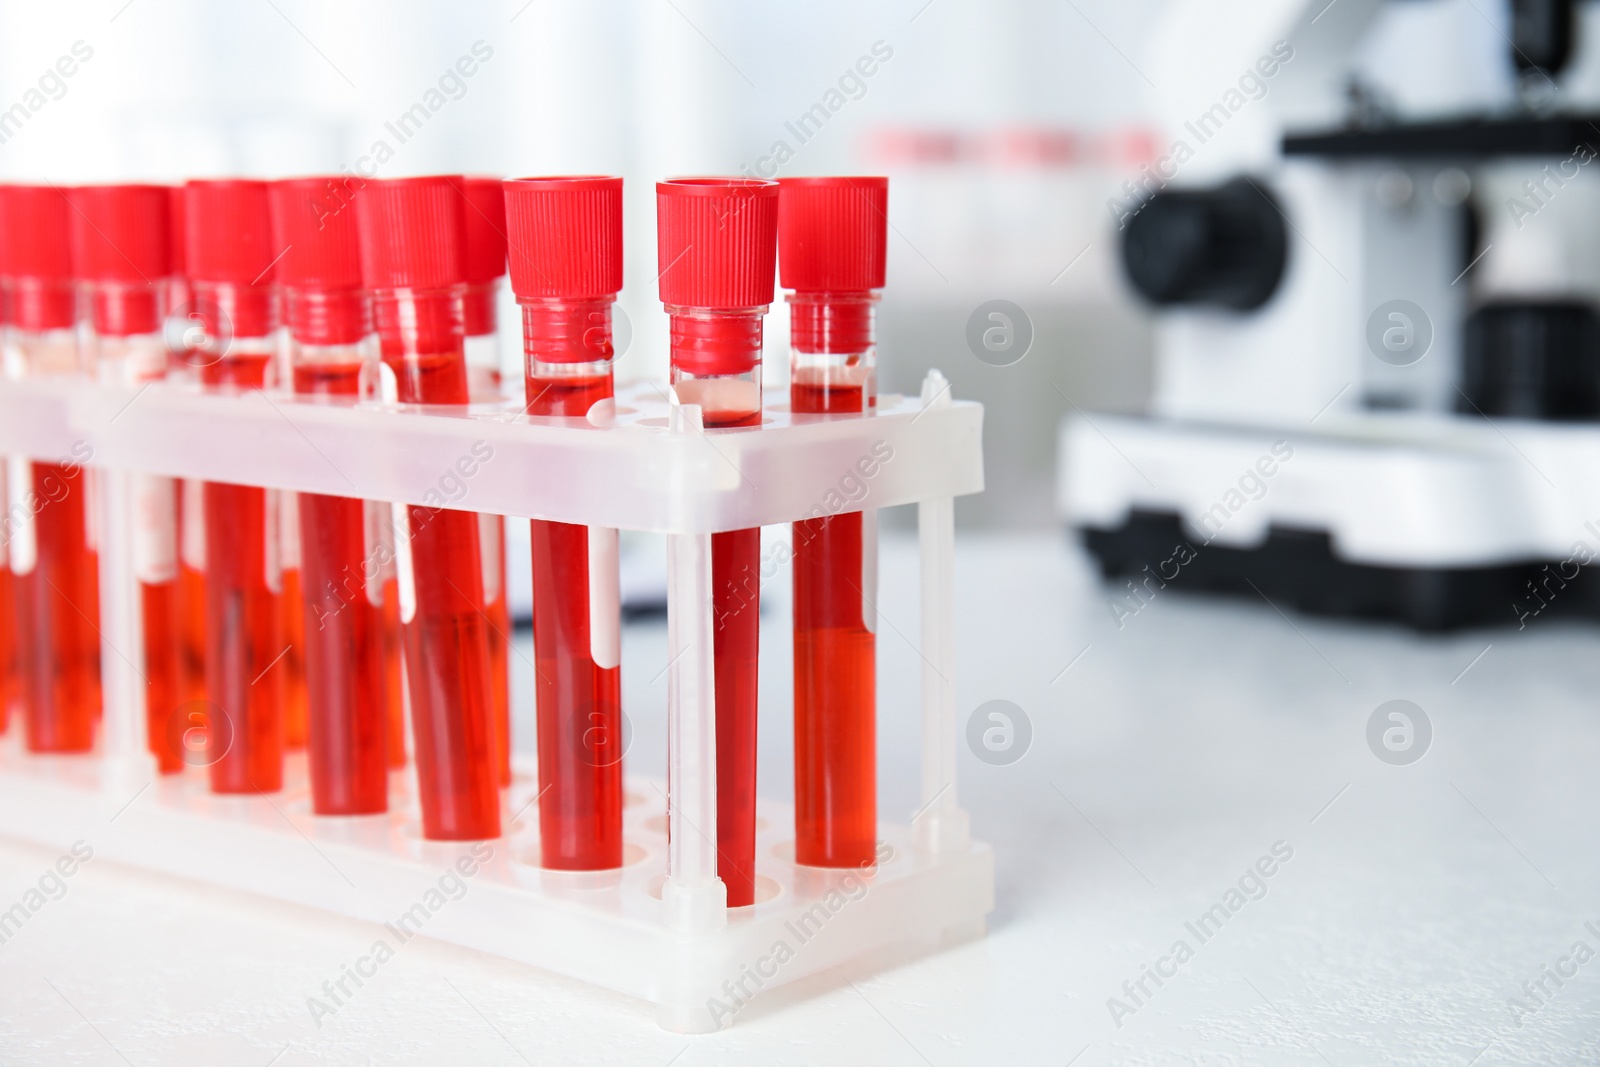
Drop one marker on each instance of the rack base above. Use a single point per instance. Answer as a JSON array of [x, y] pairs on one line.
[[600, 927]]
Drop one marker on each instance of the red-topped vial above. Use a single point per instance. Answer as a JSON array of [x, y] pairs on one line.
[[51, 549], [565, 239], [122, 255], [331, 359], [230, 255], [412, 262], [483, 265], [182, 331], [716, 248], [832, 243], [483, 257]]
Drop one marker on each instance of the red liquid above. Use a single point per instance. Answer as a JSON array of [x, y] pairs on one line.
[[295, 714], [244, 625], [163, 670], [835, 680], [8, 646], [57, 627], [736, 641], [192, 633], [447, 641], [579, 703], [191, 620], [394, 682], [499, 613], [346, 691]]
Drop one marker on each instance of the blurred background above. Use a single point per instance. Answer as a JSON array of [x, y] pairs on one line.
[[1004, 127]]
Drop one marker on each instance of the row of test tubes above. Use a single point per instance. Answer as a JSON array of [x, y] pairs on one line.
[[274, 620]]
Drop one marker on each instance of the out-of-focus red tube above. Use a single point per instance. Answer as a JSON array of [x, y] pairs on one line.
[[394, 680], [181, 331], [484, 263], [230, 254], [121, 238], [319, 275], [831, 251], [58, 641], [717, 250], [411, 242], [10, 690], [566, 269]]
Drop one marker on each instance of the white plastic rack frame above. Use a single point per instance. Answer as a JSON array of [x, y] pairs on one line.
[[656, 928]]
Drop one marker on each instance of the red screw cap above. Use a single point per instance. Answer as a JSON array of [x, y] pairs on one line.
[[716, 241], [484, 229], [36, 256], [314, 226], [228, 229], [566, 264], [565, 236], [176, 204], [832, 233], [229, 251], [121, 233], [412, 233], [121, 243]]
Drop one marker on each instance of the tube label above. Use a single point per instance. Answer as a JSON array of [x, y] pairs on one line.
[[605, 600], [869, 571], [406, 578], [491, 546], [274, 547], [20, 503], [193, 534], [155, 528]]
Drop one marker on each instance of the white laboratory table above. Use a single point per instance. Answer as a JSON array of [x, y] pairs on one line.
[[1419, 905]]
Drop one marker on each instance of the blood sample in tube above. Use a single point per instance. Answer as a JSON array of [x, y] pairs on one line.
[[121, 238], [831, 245], [411, 263], [332, 359], [485, 264], [566, 269], [717, 250], [230, 254], [50, 552]]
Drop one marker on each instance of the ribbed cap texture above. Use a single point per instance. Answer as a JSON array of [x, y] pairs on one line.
[[412, 233], [177, 204], [34, 241], [565, 237], [121, 233], [832, 233], [484, 227], [716, 241], [228, 228], [314, 226]]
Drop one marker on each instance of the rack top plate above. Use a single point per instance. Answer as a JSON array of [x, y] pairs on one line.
[[627, 468]]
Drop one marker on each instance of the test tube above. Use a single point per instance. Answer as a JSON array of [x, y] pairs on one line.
[[56, 577], [411, 262], [230, 254], [485, 264], [121, 244], [182, 331], [10, 681], [285, 509], [717, 249], [831, 247], [331, 360], [566, 269]]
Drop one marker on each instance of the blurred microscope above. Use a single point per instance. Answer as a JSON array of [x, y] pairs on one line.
[[1374, 249]]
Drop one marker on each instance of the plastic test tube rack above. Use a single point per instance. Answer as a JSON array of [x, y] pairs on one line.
[[643, 465]]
